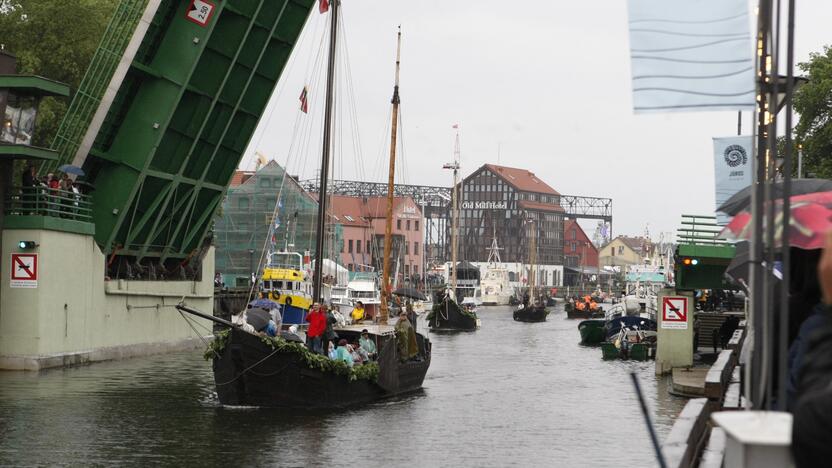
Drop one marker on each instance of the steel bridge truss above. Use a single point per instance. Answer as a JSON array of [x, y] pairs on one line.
[[435, 202]]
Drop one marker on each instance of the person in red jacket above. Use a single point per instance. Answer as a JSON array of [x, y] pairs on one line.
[[317, 325]]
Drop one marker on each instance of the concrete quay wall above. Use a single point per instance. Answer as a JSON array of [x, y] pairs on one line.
[[74, 316]]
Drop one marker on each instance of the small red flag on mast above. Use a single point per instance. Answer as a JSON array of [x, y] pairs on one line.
[[323, 6], [455, 126], [303, 102]]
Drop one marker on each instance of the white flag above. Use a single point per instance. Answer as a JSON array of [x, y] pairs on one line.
[[691, 55]]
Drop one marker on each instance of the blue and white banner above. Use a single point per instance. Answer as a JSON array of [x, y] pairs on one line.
[[691, 55], [732, 169]]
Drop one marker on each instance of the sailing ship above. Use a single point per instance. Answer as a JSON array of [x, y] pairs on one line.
[[533, 308], [447, 314], [252, 369], [495, 283]]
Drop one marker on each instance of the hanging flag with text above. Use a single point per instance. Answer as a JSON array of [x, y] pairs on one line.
[[732, 169]]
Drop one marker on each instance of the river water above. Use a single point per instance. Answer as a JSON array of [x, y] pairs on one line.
[[510, 394]]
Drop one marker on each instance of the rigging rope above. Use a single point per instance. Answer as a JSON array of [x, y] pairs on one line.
[[220, 384]]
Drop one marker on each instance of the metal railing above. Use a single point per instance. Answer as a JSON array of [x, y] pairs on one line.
[[44, 201], [699, 230]]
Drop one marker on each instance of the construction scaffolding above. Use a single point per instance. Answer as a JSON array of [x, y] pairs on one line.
[[243, 224]]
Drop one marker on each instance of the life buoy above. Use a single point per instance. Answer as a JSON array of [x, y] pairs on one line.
[[275, 296], [288, 301]]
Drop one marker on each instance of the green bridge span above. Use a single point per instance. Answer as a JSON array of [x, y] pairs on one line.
[[165, 112]]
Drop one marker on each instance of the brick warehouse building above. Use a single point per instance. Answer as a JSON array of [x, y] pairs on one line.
[[363, 220], [497, 200]]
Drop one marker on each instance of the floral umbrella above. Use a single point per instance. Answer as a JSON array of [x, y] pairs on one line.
[[811, 219]]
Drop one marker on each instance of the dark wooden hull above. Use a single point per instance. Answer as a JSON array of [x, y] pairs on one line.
[[531, 314], [448, 316], [593, 331], [250, 373]]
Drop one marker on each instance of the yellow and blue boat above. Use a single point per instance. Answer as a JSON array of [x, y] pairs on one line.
[[287, 283]]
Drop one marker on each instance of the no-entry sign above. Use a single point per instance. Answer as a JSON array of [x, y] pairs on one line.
[[24, 271], [675, 312]]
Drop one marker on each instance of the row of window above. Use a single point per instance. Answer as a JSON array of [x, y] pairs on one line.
[[407, 224], [574, 246], [354, 246], [620, 250], [407, 269]]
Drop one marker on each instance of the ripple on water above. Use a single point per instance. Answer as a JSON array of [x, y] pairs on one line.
[[510, 394]]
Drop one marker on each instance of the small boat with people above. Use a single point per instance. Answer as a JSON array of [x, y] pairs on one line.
[[533, 308], [447, 313], [533, 312], [583, 307], [630, 337], [255, 366]]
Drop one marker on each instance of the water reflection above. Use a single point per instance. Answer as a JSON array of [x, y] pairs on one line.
[[509, 394]]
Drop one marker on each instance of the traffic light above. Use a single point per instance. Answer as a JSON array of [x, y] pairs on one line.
[[27, 245], [687, 261]]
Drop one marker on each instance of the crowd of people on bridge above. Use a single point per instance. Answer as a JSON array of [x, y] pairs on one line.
[[52, 194]]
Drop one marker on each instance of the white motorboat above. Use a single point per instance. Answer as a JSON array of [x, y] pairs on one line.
[[340, 298], [364, 287], [494, 285]]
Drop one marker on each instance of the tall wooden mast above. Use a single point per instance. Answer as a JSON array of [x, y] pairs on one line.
[[388, 226], [532, 261], [454, 210], [327, 143]]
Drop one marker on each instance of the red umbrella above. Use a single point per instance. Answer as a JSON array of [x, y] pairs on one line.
[[811, 219]]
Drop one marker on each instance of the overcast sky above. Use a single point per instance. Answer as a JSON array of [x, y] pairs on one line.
[[548, 83]]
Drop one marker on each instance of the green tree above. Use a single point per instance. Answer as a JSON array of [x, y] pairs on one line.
[[813, 101], [55, 39]]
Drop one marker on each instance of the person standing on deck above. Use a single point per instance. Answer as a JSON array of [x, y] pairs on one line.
[[406, 338], [411, 315], [317, 325], [357, 313], [330, 335]]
